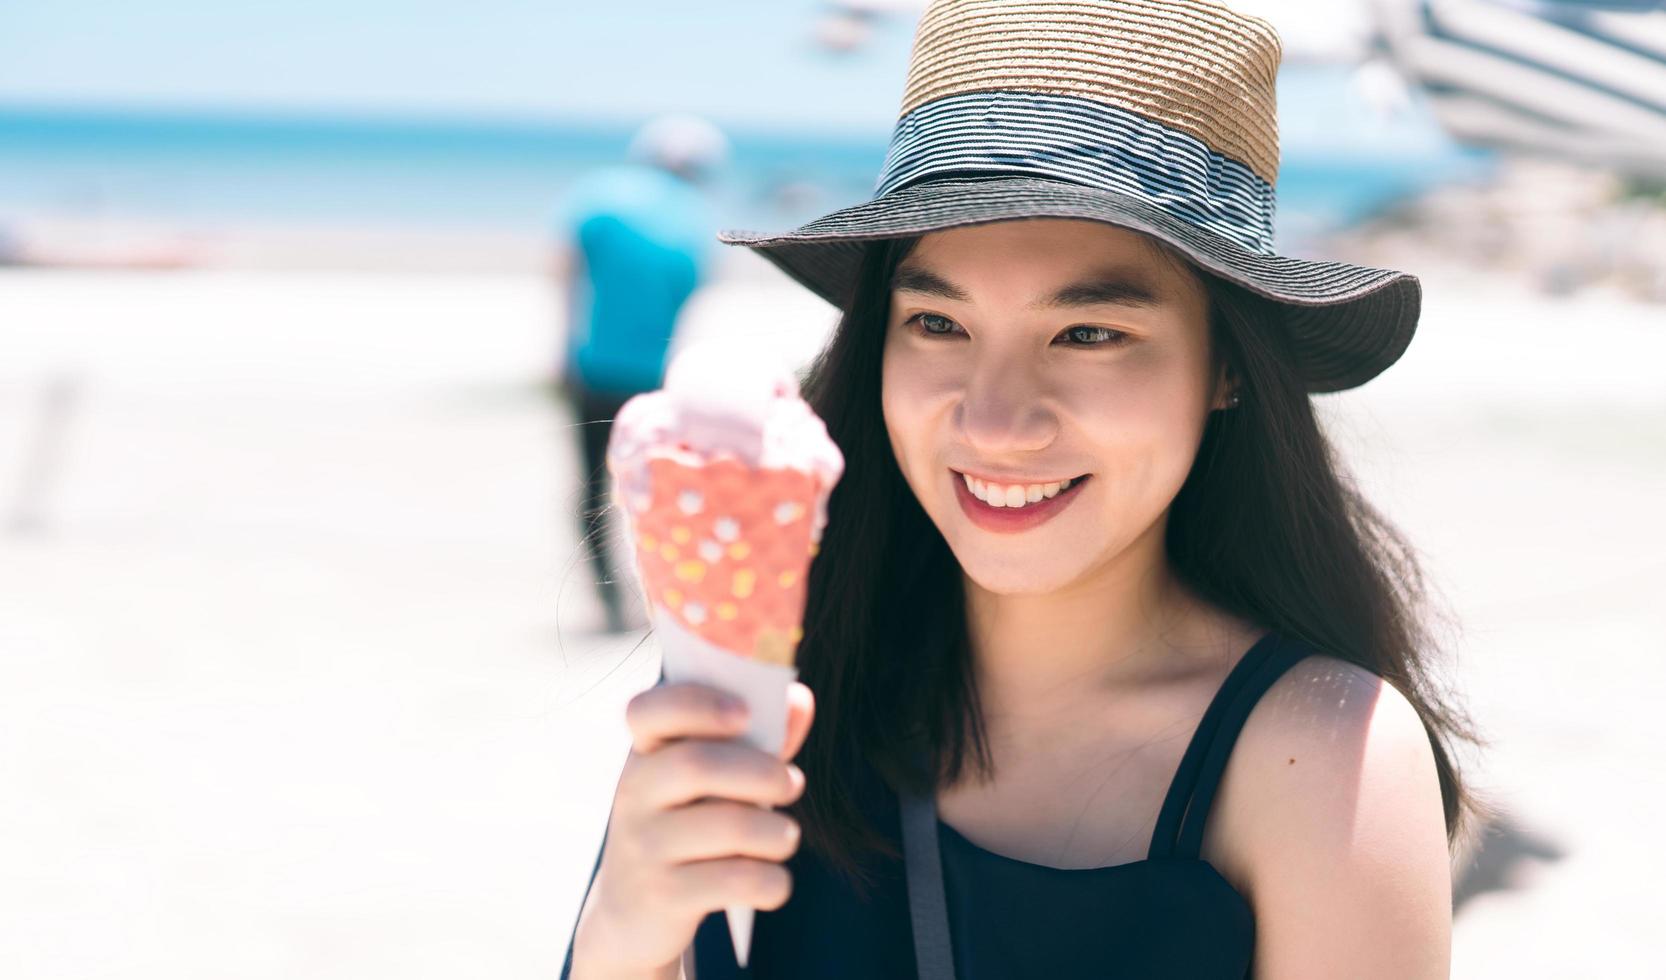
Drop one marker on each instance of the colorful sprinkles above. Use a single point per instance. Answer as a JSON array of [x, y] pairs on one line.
[[726, 548]]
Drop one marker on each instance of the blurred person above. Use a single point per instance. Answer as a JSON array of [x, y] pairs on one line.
[[635, 243]]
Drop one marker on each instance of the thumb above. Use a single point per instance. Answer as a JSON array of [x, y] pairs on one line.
[[801, 711]]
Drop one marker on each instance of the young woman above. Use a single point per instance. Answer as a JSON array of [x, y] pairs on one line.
[[1113, 671]]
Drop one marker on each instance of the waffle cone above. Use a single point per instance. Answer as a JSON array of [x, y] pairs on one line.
[[725, 549]]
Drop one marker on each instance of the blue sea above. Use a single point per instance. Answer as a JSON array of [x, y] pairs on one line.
[[197, 168]]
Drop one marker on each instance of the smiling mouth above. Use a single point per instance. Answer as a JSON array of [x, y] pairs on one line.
[[1017, 495]]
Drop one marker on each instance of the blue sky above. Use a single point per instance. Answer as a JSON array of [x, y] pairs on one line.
[[749, 61]]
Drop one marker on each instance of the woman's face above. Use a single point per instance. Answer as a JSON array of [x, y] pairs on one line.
[[1026, 353]]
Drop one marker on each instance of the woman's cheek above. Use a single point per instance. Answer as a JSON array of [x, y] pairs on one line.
[[916, 393], [897, 401], [913, 382], [1141, 389]]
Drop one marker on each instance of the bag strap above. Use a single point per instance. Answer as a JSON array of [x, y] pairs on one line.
[[927, 907]]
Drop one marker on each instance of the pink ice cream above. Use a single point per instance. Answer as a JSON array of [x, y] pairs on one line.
[[725, 476], [722, 399]]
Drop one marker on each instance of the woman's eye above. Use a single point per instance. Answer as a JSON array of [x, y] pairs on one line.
[[1095, 336], [932, 325], [926, 319]]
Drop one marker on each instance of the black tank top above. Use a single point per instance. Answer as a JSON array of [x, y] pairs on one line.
[[1168, 915]]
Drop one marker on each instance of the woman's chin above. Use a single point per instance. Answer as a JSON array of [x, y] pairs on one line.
[[1003, 575]]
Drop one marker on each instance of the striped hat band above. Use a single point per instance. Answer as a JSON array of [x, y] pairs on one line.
[[1074, 139]]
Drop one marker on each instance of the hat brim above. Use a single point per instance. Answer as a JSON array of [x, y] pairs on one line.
[[1346, 323]]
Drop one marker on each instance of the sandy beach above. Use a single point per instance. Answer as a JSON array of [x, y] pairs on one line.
[[300, 672]]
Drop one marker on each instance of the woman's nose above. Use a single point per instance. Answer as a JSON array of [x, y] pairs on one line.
[[1004, 411]]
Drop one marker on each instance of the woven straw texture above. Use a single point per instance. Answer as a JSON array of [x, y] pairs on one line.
[[1193, 65]]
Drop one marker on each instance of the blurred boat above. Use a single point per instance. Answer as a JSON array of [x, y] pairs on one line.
[[1581, 80]]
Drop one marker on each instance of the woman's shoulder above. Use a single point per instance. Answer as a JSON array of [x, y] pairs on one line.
[[1332, 807], [1330, 736], [1324, 691]]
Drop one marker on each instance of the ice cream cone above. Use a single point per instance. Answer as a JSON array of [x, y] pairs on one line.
[[724, 477], [725, 550]]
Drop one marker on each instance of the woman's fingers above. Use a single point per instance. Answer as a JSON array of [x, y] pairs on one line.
[[708, 886], [691, 830], [668, 712], [693, 769], [801, 712], [721, 828]]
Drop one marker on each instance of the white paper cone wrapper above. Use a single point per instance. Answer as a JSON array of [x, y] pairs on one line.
[[763, 686]]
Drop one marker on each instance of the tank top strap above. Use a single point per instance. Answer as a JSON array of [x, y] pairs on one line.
[[1180, 823]]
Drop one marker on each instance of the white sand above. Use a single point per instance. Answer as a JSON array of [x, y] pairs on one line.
[[297, 675]]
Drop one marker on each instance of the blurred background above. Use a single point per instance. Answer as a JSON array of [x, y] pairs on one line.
[[304, 666]]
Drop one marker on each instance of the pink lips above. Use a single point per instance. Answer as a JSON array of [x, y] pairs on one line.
[[1008, 520]]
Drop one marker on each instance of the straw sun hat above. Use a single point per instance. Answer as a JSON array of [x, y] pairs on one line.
[[1154, 115]]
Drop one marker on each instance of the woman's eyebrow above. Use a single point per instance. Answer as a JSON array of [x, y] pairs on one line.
[[915, 279], [1112, 287]]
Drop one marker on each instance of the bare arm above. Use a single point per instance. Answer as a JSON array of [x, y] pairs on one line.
[[1338, 809]]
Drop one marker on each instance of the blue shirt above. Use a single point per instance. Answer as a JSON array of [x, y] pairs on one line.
[[646, 238]]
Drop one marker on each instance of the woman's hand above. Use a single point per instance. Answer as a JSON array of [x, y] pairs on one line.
[[689, 833]]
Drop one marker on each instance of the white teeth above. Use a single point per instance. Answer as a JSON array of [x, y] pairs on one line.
[[996, 495]]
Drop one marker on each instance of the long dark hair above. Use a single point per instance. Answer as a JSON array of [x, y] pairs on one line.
[[1266, 526]]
